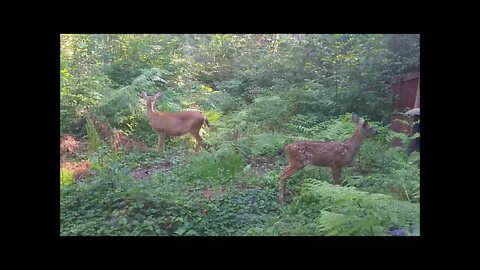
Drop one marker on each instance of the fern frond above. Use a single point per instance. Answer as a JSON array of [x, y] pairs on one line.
[[355, 212]]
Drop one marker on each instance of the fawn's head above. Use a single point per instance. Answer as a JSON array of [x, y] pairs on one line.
[[363, 129], [151, 99]]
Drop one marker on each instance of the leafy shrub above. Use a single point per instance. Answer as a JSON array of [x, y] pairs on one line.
[[80, 96], [218, 166], [92, 135], [271, 112], [223, 102], [397, 174], [66, 177], [125, 109], [307, 125], [353, 212], [267, 143], [231, 86], [311, 98]]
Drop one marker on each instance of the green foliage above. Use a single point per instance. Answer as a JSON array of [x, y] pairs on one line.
[[79, 96], [213, 116], [236, 212], [66, 177], [224, 102], [370, 158], [124, 109], [303, 124], [266, 143], [271, 112], [231, 86], [403, 52], [312, 98], [122, 72], [132, 53], [218, 166], [92, 135], [335, 129], [118, 207], [353, 212], [150, 79]]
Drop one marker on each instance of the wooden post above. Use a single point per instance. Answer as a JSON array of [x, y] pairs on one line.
[[417, 99], [397, 95]]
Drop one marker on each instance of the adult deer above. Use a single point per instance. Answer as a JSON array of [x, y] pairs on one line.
[[325, 154], [174, 123]]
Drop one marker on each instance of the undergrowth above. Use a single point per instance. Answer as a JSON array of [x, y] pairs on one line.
[[231, 187]]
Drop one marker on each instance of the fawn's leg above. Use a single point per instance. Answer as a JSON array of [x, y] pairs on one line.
[[337, 175], [291, 169], [161, 141]]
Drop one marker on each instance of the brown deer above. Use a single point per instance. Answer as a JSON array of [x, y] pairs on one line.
[[325, 154], [174, 123]]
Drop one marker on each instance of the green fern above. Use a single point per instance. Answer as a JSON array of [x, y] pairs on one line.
[[333, 224], [93, 137], [217, 166], [264, 143], [302, 123], [354, 212]]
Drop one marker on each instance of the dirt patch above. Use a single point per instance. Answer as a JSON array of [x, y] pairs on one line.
[[151, 169], [262, 163], [80, 169]]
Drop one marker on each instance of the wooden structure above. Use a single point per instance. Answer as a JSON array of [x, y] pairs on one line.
[[406, 105]]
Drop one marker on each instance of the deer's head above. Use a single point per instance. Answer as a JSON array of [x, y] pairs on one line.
[[364, 128], [151, 99]]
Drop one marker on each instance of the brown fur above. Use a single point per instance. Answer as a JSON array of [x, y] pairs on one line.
[[325, 154], [174, 123]]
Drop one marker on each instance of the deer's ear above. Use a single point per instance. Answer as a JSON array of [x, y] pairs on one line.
[[144, 95], [157, 95], [355, 118]]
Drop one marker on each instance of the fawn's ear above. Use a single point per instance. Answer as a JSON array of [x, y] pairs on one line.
[[144, 95], [157, 95], [355, 118]]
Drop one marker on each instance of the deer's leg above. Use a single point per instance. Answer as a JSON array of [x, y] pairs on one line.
[[161, 141], [337, 175], [291, 169], [198, 138]]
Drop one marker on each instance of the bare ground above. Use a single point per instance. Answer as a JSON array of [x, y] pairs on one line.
[[151, 169]]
